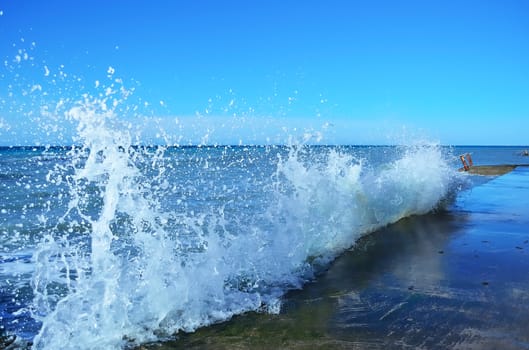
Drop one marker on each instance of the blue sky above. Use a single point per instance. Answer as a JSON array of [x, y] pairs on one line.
[[349, 72]]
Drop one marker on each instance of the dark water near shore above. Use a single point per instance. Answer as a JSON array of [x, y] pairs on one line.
[[109, 246]]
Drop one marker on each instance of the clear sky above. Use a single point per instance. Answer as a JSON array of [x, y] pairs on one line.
[[349, 72]]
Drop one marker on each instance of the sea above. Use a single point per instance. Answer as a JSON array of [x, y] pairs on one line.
[[108, 244]]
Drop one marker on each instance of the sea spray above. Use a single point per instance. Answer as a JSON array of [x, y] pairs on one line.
[[133, 278], [137, 243], [332, 202], [158, 240]]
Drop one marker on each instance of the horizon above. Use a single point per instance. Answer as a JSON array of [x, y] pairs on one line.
[[65, 147], [334, 73]]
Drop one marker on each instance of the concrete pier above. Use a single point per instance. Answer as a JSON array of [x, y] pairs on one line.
[[491, 170]]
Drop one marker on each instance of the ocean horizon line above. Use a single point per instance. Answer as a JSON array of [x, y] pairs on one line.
[[227, 145]]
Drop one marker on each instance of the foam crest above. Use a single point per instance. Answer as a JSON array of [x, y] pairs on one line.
[[331, 203], [413, 184]]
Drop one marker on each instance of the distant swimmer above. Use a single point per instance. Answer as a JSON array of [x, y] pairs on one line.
[[525, 152]]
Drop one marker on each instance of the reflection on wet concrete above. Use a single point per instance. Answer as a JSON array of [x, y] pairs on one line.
[[456, 279]]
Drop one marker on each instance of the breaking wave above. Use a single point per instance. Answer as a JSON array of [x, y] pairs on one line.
[[157, 240]]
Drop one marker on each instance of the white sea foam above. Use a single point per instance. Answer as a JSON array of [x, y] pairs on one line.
[[132, 269]]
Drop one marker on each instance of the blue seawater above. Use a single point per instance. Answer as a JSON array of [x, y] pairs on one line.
[[108, 244]]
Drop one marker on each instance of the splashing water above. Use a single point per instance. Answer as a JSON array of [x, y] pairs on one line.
[[133, 243], [158, 240]]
